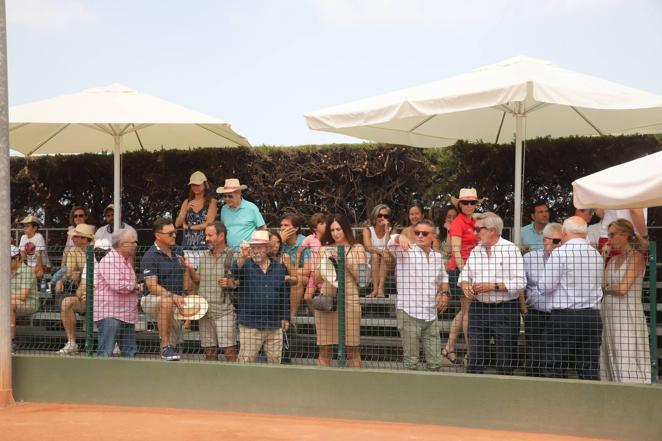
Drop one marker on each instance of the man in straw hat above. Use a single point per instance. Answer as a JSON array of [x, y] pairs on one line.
[[239, 216], [24, 299], [82, 235], [264, 300], [116, 294], [218, 328], [164, 277]]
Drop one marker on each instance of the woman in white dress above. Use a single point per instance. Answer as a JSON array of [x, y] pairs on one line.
[[625, 353]]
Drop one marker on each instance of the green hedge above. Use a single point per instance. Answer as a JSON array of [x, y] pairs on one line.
[[348, 178]]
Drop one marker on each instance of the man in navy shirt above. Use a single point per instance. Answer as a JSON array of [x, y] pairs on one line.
[[164, 277], [264, 301]]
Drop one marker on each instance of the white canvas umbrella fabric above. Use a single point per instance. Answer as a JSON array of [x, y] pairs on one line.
[[113, 118], [634, 184], [516, 99]]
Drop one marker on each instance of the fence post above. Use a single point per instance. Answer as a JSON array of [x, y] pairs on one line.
[[342, 355], [89, 301], [652, 302]]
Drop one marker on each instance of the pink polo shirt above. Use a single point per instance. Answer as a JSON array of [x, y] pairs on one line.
[[114, 289]]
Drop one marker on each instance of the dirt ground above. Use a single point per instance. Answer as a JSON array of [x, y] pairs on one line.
[[58, 422]]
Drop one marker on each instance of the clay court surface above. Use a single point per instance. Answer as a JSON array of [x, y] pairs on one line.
[[58, 422]]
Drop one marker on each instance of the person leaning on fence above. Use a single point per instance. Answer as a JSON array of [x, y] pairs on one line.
[[339, 233], [264, 303], [572, 284], [492, 280], [116, 294], [239, 216], [82, 236], [218, 327], [33, 246], [164, 277], [625, 353], [291, 247], [24, 299], [422, 285], [536, 309], [375, 237]]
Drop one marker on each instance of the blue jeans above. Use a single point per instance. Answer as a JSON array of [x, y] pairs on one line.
[[112, 330]]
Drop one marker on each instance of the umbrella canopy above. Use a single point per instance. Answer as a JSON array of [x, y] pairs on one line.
[[634, 184], [113, 118], [519, 97]]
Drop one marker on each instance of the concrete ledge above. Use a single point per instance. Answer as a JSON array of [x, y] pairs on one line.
[[565, 407]]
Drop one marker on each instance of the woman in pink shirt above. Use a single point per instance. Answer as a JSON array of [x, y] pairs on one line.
[[463, 239], [310, 250]]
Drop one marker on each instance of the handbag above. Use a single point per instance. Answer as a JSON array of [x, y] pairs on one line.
[[324, 302]]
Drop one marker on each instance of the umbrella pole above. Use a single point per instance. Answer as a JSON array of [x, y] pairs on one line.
[[517, 224], [117, 181], [6, 393]]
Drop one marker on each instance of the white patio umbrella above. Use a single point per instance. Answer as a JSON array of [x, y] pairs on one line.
[[113, 118], [634, 184], [517, 98]]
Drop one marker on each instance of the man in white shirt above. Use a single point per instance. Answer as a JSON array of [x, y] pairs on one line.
[[537, 309], [572, 281], [422, 285], [106, 232], [492, 279]]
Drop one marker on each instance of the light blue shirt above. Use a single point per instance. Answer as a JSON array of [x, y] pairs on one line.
[[293, 249], [534, 266], [573, 276], [531, 238], [241, 222]]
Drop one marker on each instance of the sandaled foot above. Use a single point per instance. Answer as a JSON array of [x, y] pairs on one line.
[[372, 294], [451, 356]]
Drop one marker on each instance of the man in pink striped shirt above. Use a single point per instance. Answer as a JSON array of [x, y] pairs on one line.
[[116, 296]]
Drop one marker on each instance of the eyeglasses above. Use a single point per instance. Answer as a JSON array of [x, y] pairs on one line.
[[477, 229], [554, 241], [384, 216], [228, 196], [422, 233], [168, 233], [468, 202]]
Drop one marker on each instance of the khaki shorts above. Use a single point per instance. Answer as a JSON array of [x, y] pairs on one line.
[[150, 306], [26, 307], [218, 328]]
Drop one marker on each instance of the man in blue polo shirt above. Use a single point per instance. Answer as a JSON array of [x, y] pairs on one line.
[[164, 277], [239, 216], [531, 235], [264, 301]]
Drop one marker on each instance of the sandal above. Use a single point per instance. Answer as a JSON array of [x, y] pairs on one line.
[[454, 360]]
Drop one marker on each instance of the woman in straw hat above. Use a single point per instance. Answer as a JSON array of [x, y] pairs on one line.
[[339, 233], [463, 239], [198, 210]]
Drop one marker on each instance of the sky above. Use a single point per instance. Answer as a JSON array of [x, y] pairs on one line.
[[262, 64]]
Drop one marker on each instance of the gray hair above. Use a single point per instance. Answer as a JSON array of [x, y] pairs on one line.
[[552, 228], [120, 236], [572, 227], [490, 220], [375, 212]]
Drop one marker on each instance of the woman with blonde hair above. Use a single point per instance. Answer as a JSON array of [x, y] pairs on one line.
[[375, 237], [625, 355]]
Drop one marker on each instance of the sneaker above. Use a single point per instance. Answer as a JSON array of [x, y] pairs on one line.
[[14, 348], [117, 351], [70, 348], [168, 353]]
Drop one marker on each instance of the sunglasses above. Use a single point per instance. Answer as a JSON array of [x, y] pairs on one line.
[[554, 241], [477, 229], [168, 233], [422, 233], [468, 202], [227, 196], [384, 216], [76, 216]]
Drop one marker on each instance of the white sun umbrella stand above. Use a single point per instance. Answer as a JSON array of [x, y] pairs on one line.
[[516, 99], [634, 184], [113, 118]]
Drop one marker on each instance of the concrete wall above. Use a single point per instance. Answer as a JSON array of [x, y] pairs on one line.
[[509, 403]]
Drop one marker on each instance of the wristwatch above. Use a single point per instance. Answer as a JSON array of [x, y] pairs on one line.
[[496, 286]]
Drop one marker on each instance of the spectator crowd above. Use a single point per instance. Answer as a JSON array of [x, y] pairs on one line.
[[575, 288]]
